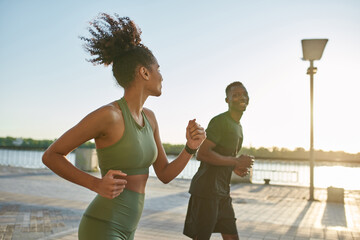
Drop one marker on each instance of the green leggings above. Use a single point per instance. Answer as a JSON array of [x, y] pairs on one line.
[[95, 229], [112, 219]]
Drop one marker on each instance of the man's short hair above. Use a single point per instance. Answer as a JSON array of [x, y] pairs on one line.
[[234, 84]]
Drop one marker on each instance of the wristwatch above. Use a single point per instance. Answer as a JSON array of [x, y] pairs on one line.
[[190, 150]]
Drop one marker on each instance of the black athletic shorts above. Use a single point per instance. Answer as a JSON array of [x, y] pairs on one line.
[[205, 216]]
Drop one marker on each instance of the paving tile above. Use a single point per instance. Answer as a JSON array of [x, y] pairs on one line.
[[270, 212]]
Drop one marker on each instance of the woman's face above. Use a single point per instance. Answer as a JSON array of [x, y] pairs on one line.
[[155, 79]]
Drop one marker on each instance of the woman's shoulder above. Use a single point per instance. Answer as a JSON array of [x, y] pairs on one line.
[[151, 117], [149, 113], [108, 113]]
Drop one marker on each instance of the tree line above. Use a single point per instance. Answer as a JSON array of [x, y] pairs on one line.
[[29, 143], [175, 149], [300, 154]]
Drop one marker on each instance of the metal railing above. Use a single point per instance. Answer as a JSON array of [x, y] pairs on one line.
[[25, 157], [282, 171]]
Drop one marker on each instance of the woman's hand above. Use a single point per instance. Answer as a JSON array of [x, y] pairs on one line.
[[111, 185], [195, 134]]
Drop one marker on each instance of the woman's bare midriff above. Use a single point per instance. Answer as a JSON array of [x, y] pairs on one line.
[[136, 183]]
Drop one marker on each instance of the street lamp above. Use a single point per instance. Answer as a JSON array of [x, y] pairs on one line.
[[312, 50]]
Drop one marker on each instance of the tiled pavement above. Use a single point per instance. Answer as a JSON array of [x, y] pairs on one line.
[[36, 204]]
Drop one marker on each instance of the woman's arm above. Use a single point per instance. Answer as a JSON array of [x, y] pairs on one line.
[[164, 170], [95, 125]]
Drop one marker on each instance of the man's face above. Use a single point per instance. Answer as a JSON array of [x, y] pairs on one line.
[[237, 99]]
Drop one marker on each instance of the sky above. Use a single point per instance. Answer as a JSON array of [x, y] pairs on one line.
[[47, 86]]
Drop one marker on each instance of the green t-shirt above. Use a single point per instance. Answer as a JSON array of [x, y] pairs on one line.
[[212, 181]]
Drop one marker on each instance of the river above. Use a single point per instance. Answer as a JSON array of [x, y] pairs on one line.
[[326, 174]]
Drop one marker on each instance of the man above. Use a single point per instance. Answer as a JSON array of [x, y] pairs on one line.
[[210, 208]]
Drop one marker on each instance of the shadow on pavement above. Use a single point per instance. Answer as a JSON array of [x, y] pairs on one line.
[[334, 215]]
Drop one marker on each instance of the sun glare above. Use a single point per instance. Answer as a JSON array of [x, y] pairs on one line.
[[337, 176]]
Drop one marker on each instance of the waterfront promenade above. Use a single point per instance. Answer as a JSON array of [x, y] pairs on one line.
[[36, 204]]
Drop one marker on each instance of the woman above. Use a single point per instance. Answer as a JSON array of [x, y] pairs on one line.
[[126, 135]]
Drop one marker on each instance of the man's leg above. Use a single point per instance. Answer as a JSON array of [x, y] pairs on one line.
[[226, 237], [200, 218], [230, 237], [226, 224]]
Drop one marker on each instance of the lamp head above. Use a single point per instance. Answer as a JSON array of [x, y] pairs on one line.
[[313, 48]]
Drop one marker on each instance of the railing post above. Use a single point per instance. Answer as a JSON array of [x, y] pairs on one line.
[[86, 159]]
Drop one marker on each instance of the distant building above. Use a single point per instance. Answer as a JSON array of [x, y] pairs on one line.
[[17, 142]]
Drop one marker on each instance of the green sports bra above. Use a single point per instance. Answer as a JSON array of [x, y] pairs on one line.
[[135, 152]]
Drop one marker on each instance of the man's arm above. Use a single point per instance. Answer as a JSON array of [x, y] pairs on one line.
[[208, 155]]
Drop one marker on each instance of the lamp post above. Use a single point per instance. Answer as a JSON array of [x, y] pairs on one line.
[[312, 50]]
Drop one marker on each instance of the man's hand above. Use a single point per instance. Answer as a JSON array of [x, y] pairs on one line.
[[243, 165], [242, 172], [244, 161]]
